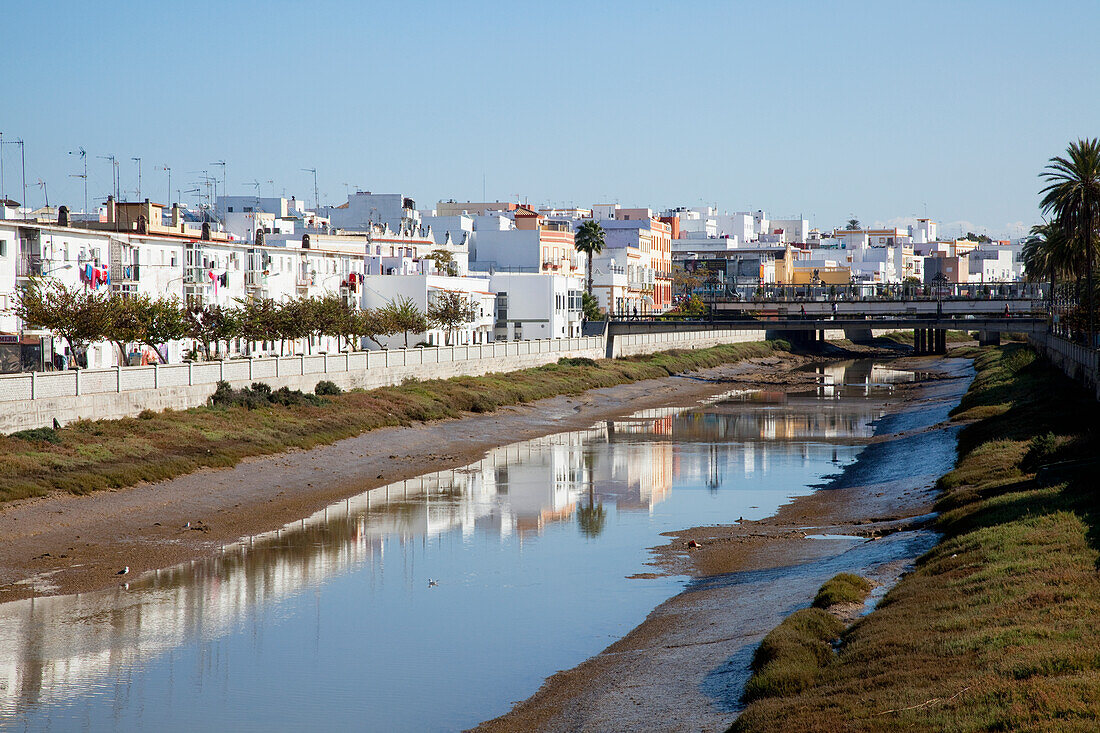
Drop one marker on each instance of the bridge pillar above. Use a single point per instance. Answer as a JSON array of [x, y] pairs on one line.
[[989, 338], [920, 341], [857, 333], [941, 340]]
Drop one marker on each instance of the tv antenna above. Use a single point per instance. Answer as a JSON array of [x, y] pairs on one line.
[[316, 196], [84, 159]]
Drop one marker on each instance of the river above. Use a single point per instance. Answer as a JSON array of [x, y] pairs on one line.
[[437, 602]]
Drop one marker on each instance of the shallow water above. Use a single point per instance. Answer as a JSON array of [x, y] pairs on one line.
[[434, 603]]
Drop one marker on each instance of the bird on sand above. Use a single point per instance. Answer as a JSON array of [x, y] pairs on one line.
[[123, 571]]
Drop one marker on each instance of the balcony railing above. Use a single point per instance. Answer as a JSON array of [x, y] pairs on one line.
[[27, 266]]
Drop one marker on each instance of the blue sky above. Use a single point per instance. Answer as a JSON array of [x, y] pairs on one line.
[[879, 110]]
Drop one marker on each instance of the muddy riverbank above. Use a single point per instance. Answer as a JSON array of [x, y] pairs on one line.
[[684, 667], [66, 544]]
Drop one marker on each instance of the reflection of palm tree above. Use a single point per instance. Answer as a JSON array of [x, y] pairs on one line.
[[593, 517]]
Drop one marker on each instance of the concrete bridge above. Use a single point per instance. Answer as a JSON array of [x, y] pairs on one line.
[[929, 330], [872, 307]]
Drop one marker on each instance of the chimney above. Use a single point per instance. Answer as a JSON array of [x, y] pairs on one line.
[[111, 213], [175, 215], [63, 216]]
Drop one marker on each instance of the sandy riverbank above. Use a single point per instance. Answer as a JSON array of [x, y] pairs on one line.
[[66, 544], [683, 667]]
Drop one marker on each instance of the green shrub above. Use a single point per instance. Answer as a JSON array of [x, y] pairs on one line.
[[47, 434], [576, 361], [1040, 450], [326, 387], [260, 395], [842, 588]]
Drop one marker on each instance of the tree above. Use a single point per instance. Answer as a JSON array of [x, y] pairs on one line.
[[1046, 254], [334, 317], [684, 282], [125, 322], [590, 304], [405, 317], [853, 225], [294, 320], [692, 307], [163, 319], [450, 311], [444, 261], [258, 319], [210, 324], [1072, 195], [589, 241], [79, 316], [374, 323]]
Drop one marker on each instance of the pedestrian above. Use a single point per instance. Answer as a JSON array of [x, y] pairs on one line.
[[635, 311], [835, 310], [1006, 310], [802, 309]]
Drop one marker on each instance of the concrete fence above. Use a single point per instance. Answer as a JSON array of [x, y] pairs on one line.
[[1079, 363], [36, 399]]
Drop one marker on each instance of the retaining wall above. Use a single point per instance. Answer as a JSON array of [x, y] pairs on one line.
[[1077, 362], [33, 400]]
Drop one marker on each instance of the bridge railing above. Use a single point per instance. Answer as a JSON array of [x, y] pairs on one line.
[[725, 292]]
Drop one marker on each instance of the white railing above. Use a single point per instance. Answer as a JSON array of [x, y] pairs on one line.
[[42, 385]]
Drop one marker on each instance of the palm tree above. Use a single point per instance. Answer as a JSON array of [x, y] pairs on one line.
[[853, 225], [1045, 254], [1072, 194], [589, 240]]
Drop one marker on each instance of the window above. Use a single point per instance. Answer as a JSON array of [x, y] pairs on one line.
[[230, 209], [3, 248]]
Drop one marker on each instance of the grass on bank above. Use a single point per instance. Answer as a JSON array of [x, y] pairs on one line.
[[842, 588], [89, 455], [997, 627], [798, 651], [906, 337]]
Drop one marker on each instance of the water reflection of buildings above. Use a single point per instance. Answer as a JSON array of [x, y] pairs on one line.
[[861, 377], [49, 646], [54, 644]]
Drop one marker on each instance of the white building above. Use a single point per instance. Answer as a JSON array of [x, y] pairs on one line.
[[422, 290], [537, 306], [364, 209]]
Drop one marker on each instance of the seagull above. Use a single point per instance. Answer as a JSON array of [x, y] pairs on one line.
[[432, 583], [123, 571]]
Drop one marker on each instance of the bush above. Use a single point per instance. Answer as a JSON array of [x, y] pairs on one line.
[[1040, 450], [260, 395], [576, 361], [842, 588], [47, 434], [326, 387]]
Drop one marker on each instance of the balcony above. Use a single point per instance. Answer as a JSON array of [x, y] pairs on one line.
[[125, 273], [28, 266]]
